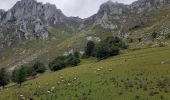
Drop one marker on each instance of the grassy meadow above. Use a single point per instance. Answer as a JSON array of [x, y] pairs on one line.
[[137, 75]]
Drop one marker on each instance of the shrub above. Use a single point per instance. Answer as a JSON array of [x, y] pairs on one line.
[[19, 75], [39, 67], [89, 49], [57, 63], [154, 35], [77, 54], [30, 71], [115, 41], [72, 61], [4, 77], [102, 51], [63, 61], [109, 47]]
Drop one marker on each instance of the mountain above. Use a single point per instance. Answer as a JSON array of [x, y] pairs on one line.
[[31, 30], [122, 20], [29, 20]]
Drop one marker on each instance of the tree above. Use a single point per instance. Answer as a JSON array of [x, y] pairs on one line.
[[4, 77], [102, 51], [77, 54], [89, 49], [72, 61], [19, 75], [109, 47], [63, 61], [39, 67], [57, 63], [154, 35], [30, 71]]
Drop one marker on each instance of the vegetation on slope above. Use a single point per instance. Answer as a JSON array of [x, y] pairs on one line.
[[142, 74]]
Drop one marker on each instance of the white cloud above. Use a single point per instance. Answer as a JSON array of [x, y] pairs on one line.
[[81, 8]]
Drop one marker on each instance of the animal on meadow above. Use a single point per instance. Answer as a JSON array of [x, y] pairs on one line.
[[49, 92], [52, 89]]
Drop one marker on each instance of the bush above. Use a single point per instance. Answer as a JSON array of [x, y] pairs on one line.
[[77, 54], [39, 67], [30, 71], [72, 61], [154, 35], [102, 51], [115, 41], [57, 64], [63, 61], [19, 75], [4, 77], [109, 47], [89, 49]]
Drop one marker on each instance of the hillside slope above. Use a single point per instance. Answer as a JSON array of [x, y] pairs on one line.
[[38, 34], [142, 74]]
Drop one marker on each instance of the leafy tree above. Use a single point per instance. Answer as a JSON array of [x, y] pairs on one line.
[[4, 77], [89, 49], [102, 51], [109, 47], [39, 67], [63, 61], [77, 54], [57, 63], [72, 61], [19, 75], [30, 71], [115, 41], [113, 51]]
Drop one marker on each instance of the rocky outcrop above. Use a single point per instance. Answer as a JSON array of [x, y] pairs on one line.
[[30, 20], [121, 18]]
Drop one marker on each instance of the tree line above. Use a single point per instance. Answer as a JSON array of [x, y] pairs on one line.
[[102, 50]]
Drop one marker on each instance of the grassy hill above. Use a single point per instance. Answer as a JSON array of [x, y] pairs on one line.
[[136, 75]]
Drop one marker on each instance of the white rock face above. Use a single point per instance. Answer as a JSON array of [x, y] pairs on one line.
[[93, 38]]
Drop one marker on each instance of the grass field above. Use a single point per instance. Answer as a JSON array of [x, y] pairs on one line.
[[137, 75]]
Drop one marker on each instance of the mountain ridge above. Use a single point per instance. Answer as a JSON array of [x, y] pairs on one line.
[[48, 35]]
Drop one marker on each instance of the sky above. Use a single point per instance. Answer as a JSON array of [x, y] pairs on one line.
[[81, 8]]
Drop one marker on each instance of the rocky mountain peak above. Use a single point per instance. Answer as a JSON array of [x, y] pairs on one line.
[[31, 9], [112, 7], [142, 5], [29, 20]]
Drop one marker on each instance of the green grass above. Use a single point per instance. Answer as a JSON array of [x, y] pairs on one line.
[[137, 75]]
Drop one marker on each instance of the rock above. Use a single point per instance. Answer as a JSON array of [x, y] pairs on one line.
[[29, 20]]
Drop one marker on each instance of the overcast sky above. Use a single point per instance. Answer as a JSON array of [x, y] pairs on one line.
[[81, 8]]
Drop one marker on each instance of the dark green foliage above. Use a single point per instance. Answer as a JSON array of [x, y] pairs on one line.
[[115, 41], [19, 75], [30, 71], [72, 61], [167, 36], [139, 39], [64, 61], [57, 63], [4, 77], [154, 35], [89, 49], [77, 54], [102, 51], [39, 67], [109, 47]]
